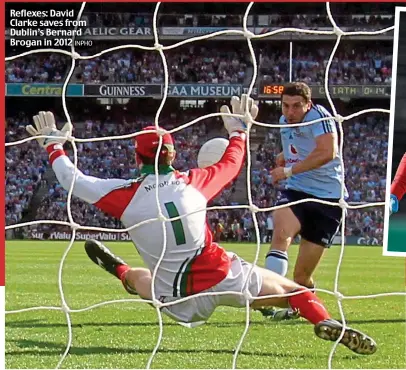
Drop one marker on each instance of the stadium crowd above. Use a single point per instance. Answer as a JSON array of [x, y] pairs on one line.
[[353, 64], [38, 68], [313, 20], [193, 64], [365, 154], [24, 165]]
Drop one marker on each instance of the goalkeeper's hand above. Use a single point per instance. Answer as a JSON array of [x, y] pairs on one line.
[[233, 124], [45, 125], [393, 204]]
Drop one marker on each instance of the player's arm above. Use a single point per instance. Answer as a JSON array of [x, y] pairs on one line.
[[325, 151], [211, 180], [103, 193], [398, 186], [110, 195], [280, 160]]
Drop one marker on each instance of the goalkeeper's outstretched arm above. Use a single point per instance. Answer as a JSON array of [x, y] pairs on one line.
[[110, 195], [106, 194], [398, 187], [211, 180]]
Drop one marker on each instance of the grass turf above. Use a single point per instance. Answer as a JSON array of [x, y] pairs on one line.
[[123, 335]]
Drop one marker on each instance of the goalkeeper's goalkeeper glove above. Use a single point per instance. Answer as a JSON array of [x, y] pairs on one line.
[[45, 125], [393, 204], [233, 124]]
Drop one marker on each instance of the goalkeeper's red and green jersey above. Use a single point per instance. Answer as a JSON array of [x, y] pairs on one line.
[[192, 262], [398, 186]]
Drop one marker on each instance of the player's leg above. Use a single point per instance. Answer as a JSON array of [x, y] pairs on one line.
[[310, 307], [263, 282], [287, 224], [139, 281], [135, 280], [286, 227], [273, 284], [318, 232], [307, 260]]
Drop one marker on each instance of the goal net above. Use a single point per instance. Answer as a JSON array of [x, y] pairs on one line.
[[159, 48]]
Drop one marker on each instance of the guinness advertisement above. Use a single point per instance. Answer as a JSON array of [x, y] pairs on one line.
[[122, 90], [156, 90]]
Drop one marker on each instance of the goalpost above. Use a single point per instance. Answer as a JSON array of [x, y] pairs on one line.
[[336, 30]]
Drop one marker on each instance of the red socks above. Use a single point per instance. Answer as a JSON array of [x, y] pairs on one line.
[[121, 270], [308, 306], [121, 273]]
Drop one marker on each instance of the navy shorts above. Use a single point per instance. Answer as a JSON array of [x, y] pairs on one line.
[[319, 222]]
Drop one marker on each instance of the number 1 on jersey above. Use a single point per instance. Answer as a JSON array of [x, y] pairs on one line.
[[177, 225]]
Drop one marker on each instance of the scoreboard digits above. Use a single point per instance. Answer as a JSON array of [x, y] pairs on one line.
[[271, 89]]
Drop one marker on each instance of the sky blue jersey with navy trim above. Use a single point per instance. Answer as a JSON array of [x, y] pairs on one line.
[[299, 142]]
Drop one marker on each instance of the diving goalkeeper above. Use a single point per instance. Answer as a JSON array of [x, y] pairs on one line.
[[192, 263]]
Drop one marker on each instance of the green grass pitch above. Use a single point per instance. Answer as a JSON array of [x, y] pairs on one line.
[[123, 335]]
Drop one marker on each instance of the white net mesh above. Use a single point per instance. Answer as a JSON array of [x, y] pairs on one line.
[[336, 30]]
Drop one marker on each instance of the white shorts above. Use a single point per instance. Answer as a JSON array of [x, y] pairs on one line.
[[200, 308]]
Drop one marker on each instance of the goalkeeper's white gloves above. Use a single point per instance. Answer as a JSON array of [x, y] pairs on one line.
[[234, 124], [45, 125], [393, 204]]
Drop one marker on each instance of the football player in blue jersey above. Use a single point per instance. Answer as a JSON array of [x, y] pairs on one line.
[[310, 166]]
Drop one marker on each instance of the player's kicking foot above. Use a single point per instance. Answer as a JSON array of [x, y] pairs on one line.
[[103, 257], [355, 340]]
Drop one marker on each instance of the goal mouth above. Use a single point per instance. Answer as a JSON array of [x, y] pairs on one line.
[[249, 36]]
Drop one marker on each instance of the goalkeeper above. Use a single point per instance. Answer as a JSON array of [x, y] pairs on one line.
[[398, 186], [192, 262]]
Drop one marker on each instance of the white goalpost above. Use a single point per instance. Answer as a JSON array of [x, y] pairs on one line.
[[249, 36]]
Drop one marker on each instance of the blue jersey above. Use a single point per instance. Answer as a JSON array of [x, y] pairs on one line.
[[298, 143]]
